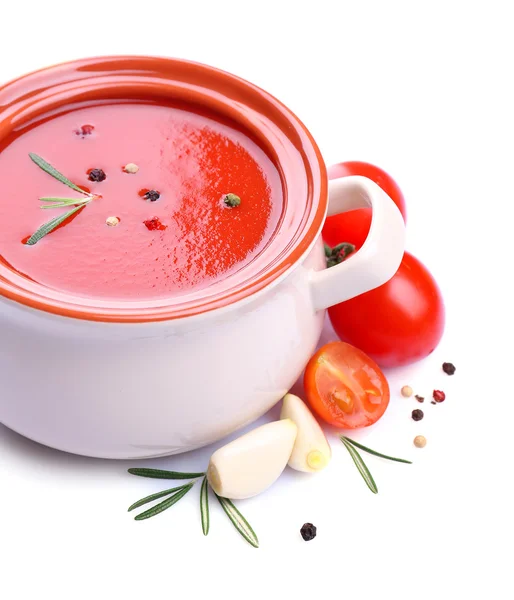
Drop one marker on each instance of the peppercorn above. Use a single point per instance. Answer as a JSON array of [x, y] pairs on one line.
[[420, 441], [419, 398], [439, 396], [417, 414], [232, 200], [112, 221], [152, 195], [131, 168], [449, 368], [96, 175], [308, 531], [84, 130], [154, 223], [407, 391]]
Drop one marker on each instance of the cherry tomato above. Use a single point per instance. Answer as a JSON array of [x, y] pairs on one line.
[[353, 226], [397, 323], [345, 387]]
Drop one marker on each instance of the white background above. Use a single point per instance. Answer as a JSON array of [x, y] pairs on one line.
[[423, 89]]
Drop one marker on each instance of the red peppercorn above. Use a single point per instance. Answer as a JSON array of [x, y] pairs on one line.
[[439, 396], [85, 130], [154, 223]]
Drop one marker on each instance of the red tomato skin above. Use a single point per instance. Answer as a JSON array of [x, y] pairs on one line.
[[376, 174], [353, 226], [324, 408], [397, 323]]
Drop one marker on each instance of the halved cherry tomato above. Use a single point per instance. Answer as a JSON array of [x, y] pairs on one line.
[[353, 226], [345, 387]]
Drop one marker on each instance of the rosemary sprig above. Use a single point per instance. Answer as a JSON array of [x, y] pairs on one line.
[[47, 167], [52, 202], [49, 226], [159, 474], [370, 451], [158, 508], [156, 496], [239, 522], [60, 202], [204, 506], [361, 466]]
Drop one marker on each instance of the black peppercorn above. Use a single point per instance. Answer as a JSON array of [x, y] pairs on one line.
[[308, 531], [152, 195], [96, 175], [417, 414], [449, 368]]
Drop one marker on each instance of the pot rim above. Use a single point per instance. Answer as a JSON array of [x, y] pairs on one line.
[[283, 136]]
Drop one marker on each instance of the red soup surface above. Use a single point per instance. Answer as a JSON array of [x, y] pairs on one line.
[[186, 239]]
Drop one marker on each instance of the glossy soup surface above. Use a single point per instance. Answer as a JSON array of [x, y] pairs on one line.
[[192, 160]]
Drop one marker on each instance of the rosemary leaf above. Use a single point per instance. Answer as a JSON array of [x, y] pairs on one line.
[[156, 496], [204, 506], [159, 474], [60, 200], [63, 204], [42, 164], [361, 466], [49, 226], [370, 451], [239, 522], [158, 508]]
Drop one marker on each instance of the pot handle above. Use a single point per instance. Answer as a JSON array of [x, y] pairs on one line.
[[381, 254]]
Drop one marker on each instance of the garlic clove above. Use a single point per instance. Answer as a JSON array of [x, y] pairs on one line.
[[311, 451], [250, 464]]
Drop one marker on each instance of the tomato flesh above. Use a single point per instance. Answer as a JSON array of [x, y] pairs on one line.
[[345, 387]]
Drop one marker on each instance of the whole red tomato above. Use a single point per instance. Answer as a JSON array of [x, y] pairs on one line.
[[353, 226], [397, 323]]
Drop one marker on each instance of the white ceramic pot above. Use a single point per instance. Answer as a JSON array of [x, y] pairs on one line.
[[152, 386]]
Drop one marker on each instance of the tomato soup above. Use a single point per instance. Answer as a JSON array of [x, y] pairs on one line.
[[163, 229]]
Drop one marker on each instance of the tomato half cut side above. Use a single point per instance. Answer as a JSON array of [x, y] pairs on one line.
[[345, 387]]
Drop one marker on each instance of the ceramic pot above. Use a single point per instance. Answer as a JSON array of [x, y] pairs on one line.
[[139, 379]]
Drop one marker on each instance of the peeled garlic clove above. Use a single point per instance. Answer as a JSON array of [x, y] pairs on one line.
[[249, 465], [311, 451]]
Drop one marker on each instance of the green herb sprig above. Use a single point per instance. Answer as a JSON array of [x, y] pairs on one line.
[[204, 506], [177, 493], [351, 446], [338, 253], [52, 202]]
